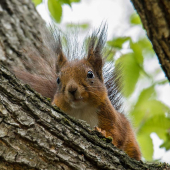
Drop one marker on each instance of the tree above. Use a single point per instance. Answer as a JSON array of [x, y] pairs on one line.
[[33, 134]]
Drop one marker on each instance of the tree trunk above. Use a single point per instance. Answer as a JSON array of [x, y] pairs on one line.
[[19, 27], [33, 134], [155, 16]]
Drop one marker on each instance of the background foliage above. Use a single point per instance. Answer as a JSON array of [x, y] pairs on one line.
[[148, 114]]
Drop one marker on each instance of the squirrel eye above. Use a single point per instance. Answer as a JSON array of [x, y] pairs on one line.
[[90, 74], [58, 80]]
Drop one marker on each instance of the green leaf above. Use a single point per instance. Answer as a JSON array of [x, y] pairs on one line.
[[149, 114], [65, 2], [145, 110], [146, 145], [137, 52], [166, 143], [75, 0], [145, 43], [130, 72], [162, 82], [118, 42], [158, 124], [146, 46], [55, 9], [147, 106], [135, 19], [146, 94], [37, 2]]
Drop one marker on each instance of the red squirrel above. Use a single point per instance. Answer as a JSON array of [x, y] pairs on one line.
[[78, 88]]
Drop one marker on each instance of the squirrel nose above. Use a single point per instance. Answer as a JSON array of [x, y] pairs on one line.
[[72, 90]]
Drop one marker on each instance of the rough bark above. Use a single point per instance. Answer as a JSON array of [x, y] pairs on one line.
[[19, 26], [155, 16], [33, 134]]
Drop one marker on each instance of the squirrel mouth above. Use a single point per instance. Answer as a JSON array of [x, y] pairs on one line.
[[77, 100]]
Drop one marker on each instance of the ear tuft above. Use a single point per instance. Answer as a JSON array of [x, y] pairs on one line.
[[95, 49], [61, 60], [58, 49]]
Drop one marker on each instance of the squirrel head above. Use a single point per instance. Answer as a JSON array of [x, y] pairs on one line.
[[80, 83]]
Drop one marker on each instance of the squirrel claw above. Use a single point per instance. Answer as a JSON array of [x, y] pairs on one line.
[[103, 132]]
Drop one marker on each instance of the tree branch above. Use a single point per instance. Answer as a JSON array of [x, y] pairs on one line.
[[39, 136]]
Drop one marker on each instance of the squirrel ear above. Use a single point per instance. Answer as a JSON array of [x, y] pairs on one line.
[[95, 49], [97, 63], [58, 49], [61, 60]]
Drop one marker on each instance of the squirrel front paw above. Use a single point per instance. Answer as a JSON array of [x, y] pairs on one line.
[[103, 132]]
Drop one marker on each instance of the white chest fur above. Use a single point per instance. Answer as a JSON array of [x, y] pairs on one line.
[[88, 114]]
